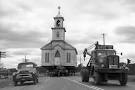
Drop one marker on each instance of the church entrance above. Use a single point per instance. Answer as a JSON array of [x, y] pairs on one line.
[[57, 58]]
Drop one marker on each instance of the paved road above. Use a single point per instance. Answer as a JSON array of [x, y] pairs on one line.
[[111, 85], [53, 83], [69, 83]]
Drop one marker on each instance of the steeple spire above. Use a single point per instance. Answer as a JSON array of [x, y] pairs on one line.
[[58, 30], [58, 15]]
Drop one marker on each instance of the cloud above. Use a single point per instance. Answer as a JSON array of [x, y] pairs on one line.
[[103, 9], [127, 33], [17, 55], [12, 39], [25, 25], [82, 38], [24, 51]]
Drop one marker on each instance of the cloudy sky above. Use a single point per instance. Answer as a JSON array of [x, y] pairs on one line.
[[25, 26]]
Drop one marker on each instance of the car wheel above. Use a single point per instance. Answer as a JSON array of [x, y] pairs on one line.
[[34, 81], [21, 83], [37, 81]]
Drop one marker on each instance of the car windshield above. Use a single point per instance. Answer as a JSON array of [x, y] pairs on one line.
[[27, 66]]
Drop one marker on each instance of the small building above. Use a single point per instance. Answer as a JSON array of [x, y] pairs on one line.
[[58, 52]]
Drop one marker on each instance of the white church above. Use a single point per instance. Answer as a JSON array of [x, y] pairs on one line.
[[58, 51]]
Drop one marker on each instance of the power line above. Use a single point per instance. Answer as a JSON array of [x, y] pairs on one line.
[[103, 38]]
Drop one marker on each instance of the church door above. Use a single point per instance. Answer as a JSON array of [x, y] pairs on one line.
[[57, 58]]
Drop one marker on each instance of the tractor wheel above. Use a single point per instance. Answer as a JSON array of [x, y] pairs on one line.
[[123, 79], [97, 78], [85, 75]]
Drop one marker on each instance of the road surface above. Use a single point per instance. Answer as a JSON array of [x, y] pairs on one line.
[[69, 83], [111, 85], [50, 83]]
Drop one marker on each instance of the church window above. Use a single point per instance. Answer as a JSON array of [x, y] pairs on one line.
[[68, 57], [47, 57], [58, 34], [57, 54]]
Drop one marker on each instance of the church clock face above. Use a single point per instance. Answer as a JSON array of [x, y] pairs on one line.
[[58, 23]]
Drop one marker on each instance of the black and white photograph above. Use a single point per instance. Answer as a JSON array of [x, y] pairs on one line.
[[67, 44]]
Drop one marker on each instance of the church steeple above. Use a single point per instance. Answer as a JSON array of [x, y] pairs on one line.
[[58, 19], [58, 31]]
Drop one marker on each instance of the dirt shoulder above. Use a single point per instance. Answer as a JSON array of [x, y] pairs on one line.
[[131, 78], [5, 82]]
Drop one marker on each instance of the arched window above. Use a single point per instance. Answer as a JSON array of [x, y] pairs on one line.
[[47, 57], [57, 54], [68, 57]]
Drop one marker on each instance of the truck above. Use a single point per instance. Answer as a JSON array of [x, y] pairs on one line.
[[103, 65], [26, 72]]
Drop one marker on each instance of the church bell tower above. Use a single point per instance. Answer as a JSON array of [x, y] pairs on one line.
[[58, 31]]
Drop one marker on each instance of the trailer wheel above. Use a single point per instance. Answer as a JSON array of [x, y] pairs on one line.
[[15, 83], [85, 75], [97, 78], [123, 79], [21, 82]]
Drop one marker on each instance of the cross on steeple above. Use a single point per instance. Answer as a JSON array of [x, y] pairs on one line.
[[59, 10]]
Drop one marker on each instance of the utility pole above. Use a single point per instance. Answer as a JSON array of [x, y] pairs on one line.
[[2, 55], [103, 38], [0, 60], [25, 59]]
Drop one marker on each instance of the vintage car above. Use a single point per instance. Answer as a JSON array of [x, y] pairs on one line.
[[26, 72]]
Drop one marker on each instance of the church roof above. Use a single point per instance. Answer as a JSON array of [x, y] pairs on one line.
[[63, 44]]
